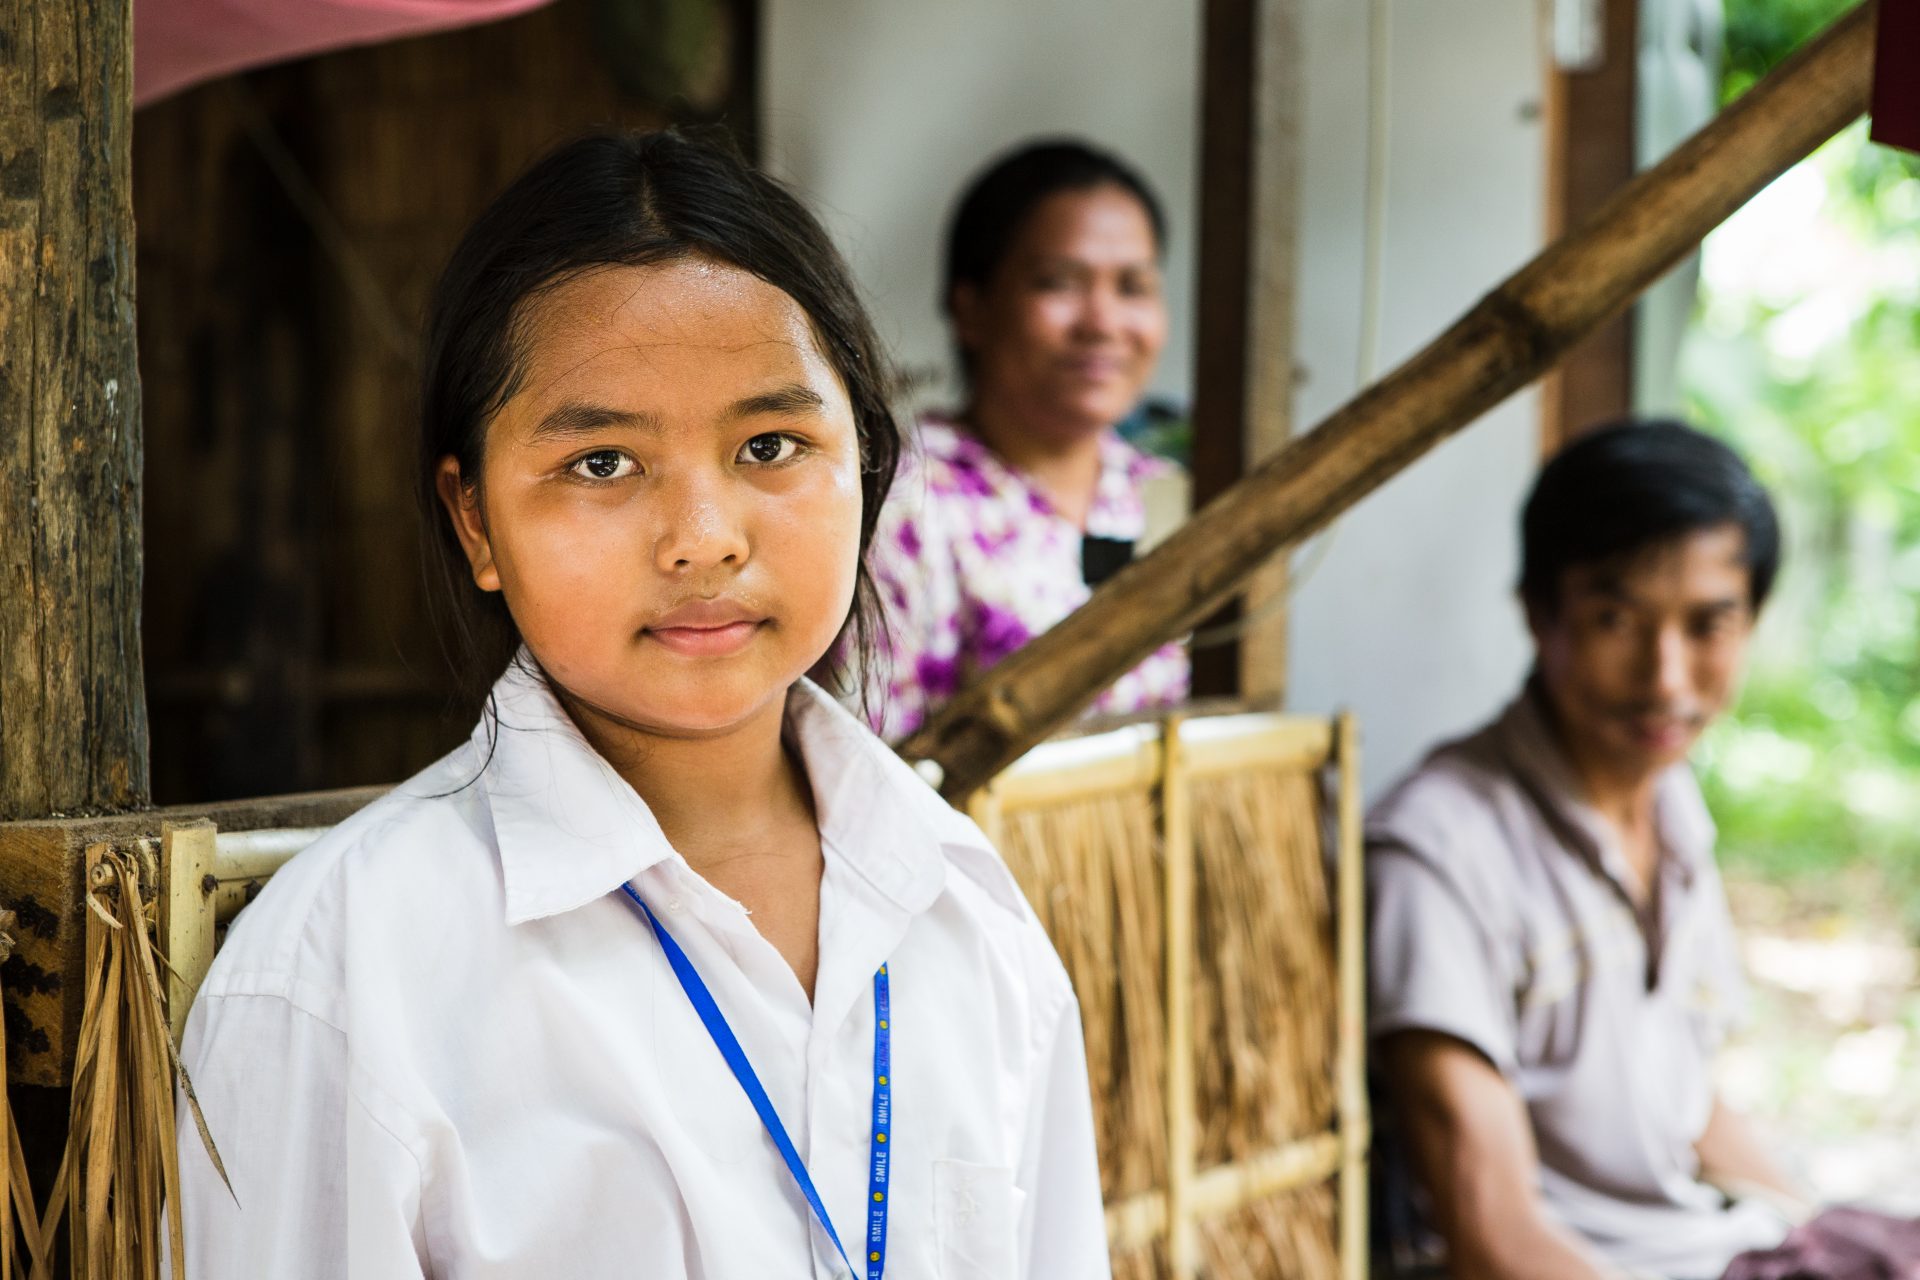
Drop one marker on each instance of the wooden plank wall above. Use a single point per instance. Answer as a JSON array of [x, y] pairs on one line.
[[291, 224]]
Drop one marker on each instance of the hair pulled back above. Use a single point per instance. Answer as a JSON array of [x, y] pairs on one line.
[[1001, 197], [621, 199]]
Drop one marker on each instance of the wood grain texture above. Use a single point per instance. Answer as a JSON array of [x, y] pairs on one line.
[[73, 729], [1506, 341]]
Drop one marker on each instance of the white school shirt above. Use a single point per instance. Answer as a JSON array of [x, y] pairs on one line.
[[442, 1043]]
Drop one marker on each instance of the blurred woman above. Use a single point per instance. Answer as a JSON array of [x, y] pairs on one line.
[[1017, 506]]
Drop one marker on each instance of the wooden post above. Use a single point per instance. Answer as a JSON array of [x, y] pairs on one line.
[[186, 913], [1507, 340], [1590, 155], [73, 721], [1243, 340], [1176, 843]]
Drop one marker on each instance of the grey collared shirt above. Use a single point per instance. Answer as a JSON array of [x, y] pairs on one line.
[[1503, 914]]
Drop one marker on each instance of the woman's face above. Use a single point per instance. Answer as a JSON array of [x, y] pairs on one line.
[[670, 502], [1066, 332]]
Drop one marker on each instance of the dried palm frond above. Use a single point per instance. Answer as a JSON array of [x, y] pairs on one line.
[[121, 1171]]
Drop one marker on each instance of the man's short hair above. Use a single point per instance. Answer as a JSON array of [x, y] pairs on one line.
[[1634, 484]]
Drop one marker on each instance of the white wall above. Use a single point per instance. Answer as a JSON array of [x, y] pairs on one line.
[[879, 109], [1410, 619]]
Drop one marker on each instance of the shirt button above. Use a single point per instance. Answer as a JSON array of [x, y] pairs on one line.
[[673, 904]]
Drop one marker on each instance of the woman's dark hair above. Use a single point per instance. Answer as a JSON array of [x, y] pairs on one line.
[[619, 199], [1634, 484], [1000, 199]]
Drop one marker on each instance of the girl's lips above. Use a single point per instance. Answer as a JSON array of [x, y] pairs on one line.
[[707, 642]]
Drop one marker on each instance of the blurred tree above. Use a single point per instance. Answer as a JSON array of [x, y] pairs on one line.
[[1805, 353]]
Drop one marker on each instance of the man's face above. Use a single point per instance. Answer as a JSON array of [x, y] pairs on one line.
[[1639, 655]]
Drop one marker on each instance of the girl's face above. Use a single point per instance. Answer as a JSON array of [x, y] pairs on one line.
[[670, 501], [1068, 329]]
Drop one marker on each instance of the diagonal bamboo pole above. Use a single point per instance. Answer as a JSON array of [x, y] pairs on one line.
[[1507, 340]]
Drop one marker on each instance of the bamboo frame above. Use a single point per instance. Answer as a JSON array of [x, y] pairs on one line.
[[1176, 837], [1135, 757], [1350, 949], [1510, 338], [188, 854], [209, 875]]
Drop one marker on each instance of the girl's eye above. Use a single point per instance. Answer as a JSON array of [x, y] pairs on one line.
[[775, 446], [605, 464]]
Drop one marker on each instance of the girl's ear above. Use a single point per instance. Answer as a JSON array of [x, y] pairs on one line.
[[462, 502]]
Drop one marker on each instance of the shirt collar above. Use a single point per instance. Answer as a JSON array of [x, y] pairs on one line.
[[570, 830], [1533, 751]]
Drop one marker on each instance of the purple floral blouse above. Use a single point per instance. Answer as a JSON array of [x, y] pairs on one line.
[[972, 561]]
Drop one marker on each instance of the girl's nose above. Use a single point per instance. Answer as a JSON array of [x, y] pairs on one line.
[[700, 529]]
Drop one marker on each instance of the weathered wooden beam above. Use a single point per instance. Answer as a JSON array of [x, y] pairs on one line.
[[73, 720], [42, 877], [1506, 341]]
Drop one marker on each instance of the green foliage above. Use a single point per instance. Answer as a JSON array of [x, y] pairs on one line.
[[1812, 369], [1762, 32]]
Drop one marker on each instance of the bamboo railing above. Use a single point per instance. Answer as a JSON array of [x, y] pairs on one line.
[[1505, 342]]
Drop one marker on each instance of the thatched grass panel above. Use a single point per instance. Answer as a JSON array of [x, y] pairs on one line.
[[1266, 1010], [1092, 870], [1148, 1262], [1288, 1235], [1264, 1000]]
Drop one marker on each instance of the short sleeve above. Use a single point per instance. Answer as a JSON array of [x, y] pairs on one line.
[[1432, 962]]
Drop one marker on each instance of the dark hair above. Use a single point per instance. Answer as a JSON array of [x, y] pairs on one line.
[[1632, 484], [997, 203], [624, 199]]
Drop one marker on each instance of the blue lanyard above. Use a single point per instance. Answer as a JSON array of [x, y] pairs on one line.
[[736, 1058]]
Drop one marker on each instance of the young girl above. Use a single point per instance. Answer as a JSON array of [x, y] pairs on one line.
[[673, 969]]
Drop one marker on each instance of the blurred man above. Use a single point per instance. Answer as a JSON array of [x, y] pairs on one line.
[[1553, 964]]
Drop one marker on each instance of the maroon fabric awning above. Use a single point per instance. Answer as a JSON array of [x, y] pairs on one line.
[[179, 43], [1896, 77]]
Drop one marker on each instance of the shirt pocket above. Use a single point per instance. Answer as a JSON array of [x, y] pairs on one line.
[[976, 1221]]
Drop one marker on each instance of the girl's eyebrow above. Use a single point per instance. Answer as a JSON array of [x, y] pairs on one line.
[[795, 397], [576, 418]]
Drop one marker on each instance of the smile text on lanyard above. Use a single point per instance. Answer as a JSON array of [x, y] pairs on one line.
[[736, 1057]]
